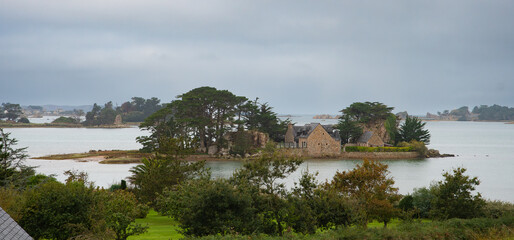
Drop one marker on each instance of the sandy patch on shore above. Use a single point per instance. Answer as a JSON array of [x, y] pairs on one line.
[[91, 159]]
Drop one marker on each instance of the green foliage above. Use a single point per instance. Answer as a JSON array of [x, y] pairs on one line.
[[498, 209], [260, 117], [349, 130], [391, 126], [367, 112], [422, 200], [377, 149], [415, 146], [453, 197], [10, 201], [371, 189], [101, 116], [121, 186], [313, 206], [57, 211], [165, 169], [413, 129], [264, 175], [138, 109], [204, 115], [121, 210], [407, 203], [12, 170], [454, 229], [494, 113], [208, 207], [10, 111], [23, 120], [462, 113], [243, 143], [68, 120]]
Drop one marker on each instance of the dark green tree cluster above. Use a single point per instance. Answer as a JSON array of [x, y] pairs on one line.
[[367, 112], [139, 108], [494, 113], [203, 116], [359, 115], [413, 129], [100, 116], [256, 116], [10, 111], [165, 169], [134, 111]]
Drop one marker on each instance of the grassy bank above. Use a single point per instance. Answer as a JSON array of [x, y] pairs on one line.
[[117, 156], [108, 157]]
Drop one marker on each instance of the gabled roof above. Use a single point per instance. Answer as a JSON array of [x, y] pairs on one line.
[[9, 229], [365, 137], [305, 131]]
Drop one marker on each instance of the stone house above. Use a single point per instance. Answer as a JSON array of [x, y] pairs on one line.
[[370, 139], [314, 138]]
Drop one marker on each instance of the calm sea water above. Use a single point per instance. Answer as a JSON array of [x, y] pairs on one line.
[[486, 149]]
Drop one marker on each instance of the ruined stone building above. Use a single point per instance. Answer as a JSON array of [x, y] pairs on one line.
[[314, 138]]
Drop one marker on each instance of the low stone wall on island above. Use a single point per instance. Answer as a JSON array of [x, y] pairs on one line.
[[379, 155], [299, 152]]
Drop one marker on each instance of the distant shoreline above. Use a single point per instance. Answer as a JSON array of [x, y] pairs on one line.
[[59, 125]]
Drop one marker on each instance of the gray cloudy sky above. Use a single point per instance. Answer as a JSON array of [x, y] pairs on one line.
[[299, 56]]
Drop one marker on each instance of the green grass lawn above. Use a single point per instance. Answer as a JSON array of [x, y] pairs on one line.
[[160, 227]]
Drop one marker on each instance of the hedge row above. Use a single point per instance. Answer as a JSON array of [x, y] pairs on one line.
[[378, 149]]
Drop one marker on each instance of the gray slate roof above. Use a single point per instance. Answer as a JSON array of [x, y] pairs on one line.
[[9, 229], [305, 131], [365, 137]]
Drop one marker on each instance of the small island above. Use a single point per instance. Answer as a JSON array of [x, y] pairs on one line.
[[326, 116]]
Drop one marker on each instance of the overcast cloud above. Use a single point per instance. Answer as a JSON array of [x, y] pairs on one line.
[[299, 56]]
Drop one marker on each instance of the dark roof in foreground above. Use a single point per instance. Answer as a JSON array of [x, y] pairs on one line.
[[9, 229]]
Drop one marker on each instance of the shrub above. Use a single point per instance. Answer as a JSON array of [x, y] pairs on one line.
[[453, 197], [23, 120], [415, 146], [57, 211], [67, 120], [498, 209], [422, 201], [205, 207]]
